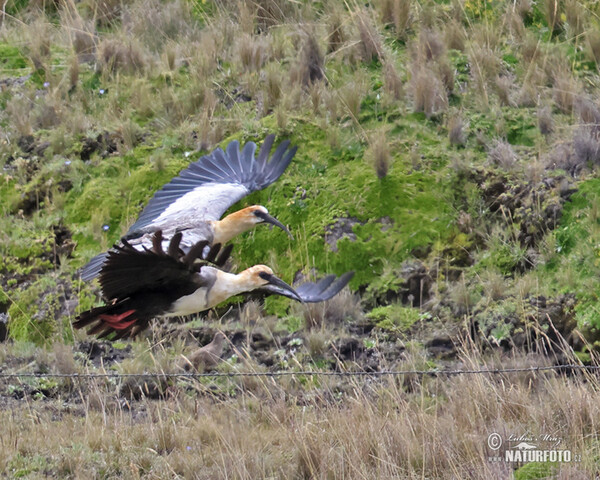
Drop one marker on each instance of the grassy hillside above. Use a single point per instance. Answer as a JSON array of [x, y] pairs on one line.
[[447, 134], [448, 153]]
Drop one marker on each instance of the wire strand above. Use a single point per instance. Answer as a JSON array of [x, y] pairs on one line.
[[434, 372]]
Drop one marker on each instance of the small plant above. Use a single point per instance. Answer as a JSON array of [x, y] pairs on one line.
[[545, 120], [456, 130]]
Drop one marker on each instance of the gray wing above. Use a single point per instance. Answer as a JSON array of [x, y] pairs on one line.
[[313, 292], [209, 186]]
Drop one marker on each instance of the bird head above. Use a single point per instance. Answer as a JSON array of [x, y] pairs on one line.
[[262, 276], [259, 214]]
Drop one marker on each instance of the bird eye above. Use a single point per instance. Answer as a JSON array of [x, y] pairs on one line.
[[265, 276]]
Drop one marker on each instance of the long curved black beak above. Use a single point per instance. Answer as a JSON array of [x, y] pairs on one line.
[[280, 284], [273, 221]]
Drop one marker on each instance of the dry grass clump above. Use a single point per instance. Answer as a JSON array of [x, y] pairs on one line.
[[432, 76], [586, 146], [575, 14], [156, 23], [502, 154], [565, 89], [311, 62], [587, 111], [392, 83], [272, 81], [485, 70], [428, 92], [120, 55], [553, 12], [378, 153], [337, 34], [81, 33], [350, 95], [253, 51], [592, 38], [430, 45], [456, 130], [545, 120], [455, 36], [396, 13], [371, 43], [105, 13], [38, 41], [505, 86], [343, 307]]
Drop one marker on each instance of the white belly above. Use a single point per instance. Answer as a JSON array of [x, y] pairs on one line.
[[193, 303]]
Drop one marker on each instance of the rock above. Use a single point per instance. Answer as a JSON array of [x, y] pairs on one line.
[[349, 348], [441, 347], [26, 143], [416, 285], [342, 227]]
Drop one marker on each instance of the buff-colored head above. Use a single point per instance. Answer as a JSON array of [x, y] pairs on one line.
[[242, 221], [261, 276]]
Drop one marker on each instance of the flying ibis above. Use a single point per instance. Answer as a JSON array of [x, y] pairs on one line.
[[194, 202], [139, 285]]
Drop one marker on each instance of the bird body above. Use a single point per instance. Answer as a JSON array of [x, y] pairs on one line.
[[217, 286], [140, 285]]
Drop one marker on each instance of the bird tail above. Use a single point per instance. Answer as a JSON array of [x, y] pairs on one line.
[[92, 269], [107, 319]]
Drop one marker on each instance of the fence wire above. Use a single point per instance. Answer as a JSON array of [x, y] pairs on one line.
[[282, 373]]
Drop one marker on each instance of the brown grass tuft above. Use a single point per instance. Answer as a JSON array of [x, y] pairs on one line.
[[505, 86], [81, 33], [156, 23], [336, 28], [576, 14], [587, 111], [456, 130], [378, 152], [553, 12], [392, 83], [502, 154], [430, 45], [428, 92], [455, 36], [310, 66], [120, 55], [253, 52], [73, 72], [545, 120], [39, 40], [564, 91], [586, 146], [371, 44], [593, 45], [396, 13]]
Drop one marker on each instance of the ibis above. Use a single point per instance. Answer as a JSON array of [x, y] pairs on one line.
[[139, 285], [194, 202]]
